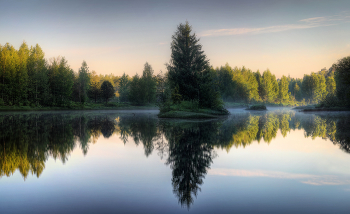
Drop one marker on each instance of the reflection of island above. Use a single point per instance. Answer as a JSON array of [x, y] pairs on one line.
[[28, 140]]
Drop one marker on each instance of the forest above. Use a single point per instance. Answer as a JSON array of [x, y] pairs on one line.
[[28, 79]]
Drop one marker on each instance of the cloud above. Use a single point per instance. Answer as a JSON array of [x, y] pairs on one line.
[[302, 24], [303, 178]]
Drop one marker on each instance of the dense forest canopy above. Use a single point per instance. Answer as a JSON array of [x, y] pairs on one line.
[[28, 79]]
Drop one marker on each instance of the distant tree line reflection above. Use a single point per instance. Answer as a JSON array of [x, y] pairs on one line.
[[28, 140]]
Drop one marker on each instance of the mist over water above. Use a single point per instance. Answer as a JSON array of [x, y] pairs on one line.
[[132, 162]]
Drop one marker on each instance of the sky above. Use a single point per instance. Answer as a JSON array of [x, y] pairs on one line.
[[293, 38]]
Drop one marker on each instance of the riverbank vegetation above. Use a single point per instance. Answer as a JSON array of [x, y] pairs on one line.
[[28, 81]]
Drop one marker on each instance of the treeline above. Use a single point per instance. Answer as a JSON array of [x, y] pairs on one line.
[[28, 79], [243, 85]]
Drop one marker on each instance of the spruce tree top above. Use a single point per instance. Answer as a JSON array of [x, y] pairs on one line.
[[188, 63]]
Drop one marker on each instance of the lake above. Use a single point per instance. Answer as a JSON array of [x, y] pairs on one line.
[[275, 161]]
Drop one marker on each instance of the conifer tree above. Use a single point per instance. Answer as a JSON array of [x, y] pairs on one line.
[[123, 89], [83, 81], [38, 87], [150, 83], [189, 69], [22, 74]]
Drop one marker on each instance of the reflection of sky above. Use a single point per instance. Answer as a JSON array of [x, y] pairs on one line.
[[291, 174]]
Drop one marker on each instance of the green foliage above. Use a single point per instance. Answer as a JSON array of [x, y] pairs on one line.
[[149, 83], [189, 69], [342, 78], [124, 88], [9, 60], [225, 81], [107, 90], [314, 87], [283, 94], [137, 92], [175, 96], [163, 90], [238, 84], [38, 86], [95, 86], [60, 82], [269, 87], [22, 74], [187, 63], [330, 85], [329, 101], [83, 82], [26, 78]]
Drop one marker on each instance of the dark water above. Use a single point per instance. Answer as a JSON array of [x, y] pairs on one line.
[[280, 161]]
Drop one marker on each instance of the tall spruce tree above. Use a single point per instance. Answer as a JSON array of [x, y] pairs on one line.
[[150, 83], [123, 88], [38, 87], [22, 74], [189, 69], [83, 82]]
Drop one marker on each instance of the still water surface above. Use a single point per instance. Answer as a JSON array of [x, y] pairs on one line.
[[279, 161]]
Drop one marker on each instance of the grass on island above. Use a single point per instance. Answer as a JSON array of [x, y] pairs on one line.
[[258, 107], [188, 109]]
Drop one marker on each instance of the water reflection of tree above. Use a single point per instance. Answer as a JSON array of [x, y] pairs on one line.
[[27, 141], [342, 134], [142, 129], [242, 129], [190, 153]]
